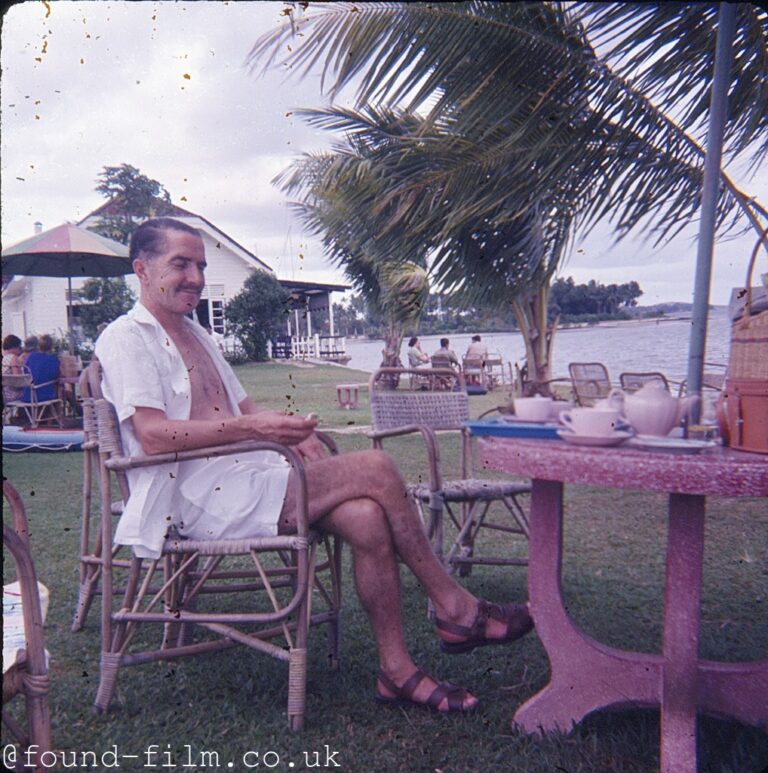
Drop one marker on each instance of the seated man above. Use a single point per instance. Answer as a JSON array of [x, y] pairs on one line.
[[477, 349], [474, 360], [11, 365], [173, 390], [43, 364], [445, 357], [416, 357]]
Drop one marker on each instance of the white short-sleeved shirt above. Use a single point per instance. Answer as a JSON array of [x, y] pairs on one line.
[[142, 368]]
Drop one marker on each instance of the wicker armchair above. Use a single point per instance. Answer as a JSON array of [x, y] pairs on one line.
[[28, 676], [466, 500], [192, 574], [590, 381]]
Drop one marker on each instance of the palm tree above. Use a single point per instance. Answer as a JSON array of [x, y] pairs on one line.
[[339, 199], [522, 123]]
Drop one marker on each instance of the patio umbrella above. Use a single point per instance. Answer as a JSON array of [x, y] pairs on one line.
[[67, 251]]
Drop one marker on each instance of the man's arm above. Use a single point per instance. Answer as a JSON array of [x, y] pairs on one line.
[[159, 434], [310, 448]]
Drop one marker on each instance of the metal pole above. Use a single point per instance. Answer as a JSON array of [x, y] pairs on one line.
[[710, 187], [69, 314]]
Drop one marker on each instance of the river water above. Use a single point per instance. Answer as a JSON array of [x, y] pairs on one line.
[[644, 345]]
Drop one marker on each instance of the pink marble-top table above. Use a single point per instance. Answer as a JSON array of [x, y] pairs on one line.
[[587, 675]]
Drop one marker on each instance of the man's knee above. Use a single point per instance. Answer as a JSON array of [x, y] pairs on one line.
[[380, 465]]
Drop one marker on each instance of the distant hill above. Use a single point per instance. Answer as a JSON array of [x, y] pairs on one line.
[[673, 307]]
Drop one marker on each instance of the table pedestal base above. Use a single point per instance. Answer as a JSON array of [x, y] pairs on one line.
[[587, 675]]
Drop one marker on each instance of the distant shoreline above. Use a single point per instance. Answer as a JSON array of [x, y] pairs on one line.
[[636, 322]]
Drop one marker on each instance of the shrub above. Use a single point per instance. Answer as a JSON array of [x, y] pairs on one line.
[[257, 313]]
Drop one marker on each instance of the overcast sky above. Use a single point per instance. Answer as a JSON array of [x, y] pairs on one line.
[[163, 87]]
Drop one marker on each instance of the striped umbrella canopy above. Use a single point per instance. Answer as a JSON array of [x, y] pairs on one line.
[[67, 251]]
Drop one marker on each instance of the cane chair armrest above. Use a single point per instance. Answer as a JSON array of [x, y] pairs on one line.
[[120, 463], [328, 442], [124, 463]]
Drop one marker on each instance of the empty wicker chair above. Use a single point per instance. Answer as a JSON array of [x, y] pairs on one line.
[[467, 499], [590, 381], [631, 382], [27, 672], [193, 573]]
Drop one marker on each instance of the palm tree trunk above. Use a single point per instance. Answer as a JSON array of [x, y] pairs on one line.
[[531, 315]]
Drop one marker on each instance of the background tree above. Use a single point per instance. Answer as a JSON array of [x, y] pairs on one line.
[[534, 125], [134, 197], [104, 300], [340, 200], [257, 313]]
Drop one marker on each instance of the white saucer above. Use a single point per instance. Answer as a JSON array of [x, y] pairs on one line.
[[616, 437], [674, 444]]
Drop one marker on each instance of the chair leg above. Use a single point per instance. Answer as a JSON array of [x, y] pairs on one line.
[[110, 666], [334, 627], [297, 687], [85, 595]]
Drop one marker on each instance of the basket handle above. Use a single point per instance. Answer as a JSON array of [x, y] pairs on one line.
[[762, 238]]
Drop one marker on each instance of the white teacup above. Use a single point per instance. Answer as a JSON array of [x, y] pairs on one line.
[[591, 422], [536, 408]]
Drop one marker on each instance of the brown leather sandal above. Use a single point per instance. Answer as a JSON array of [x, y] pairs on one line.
[[516, 616], [404, 694]]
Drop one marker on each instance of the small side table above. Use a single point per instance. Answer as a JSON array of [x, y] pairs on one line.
[[349, 395]]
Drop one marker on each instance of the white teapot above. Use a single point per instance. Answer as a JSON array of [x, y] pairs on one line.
[[653, 411]]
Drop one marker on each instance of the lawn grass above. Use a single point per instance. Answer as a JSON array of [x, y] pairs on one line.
[[612, 575]]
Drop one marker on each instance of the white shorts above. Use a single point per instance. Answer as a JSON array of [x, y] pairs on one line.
[[232, 497]]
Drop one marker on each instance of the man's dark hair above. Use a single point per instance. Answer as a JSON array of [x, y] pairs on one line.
[[475, 338], [444, 342], [412, 341], [11, 342], [148, 240]]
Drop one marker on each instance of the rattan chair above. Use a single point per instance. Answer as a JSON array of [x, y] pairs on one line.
[[89, 388], [192, 575], [37, 411], [473, 369], [590, 382], [29, 675], [466, 500], [494, 370], [631, 382]]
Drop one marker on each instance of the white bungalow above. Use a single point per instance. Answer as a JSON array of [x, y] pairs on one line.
[[34, 305]]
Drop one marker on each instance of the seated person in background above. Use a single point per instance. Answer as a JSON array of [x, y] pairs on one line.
[[416, 357], [474, 359], [477, 349], [43, 364], [11, 354], [445, 357], [11, 365], [173, 390]]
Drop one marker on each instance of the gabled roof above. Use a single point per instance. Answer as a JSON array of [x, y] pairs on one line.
[[113, 207]]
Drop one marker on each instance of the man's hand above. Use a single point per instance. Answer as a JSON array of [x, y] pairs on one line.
[[279, 427]]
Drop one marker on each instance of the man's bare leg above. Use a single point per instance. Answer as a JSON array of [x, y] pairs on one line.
[[372, 475], [362, 524]]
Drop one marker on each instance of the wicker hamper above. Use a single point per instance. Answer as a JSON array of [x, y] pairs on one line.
[[745, 399]]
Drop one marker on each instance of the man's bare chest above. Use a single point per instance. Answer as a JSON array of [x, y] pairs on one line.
[[209, 398]]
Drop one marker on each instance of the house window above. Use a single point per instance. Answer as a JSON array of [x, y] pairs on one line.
[[217, 316], [210, 310]]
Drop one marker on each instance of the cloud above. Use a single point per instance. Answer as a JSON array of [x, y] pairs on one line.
[[163, 86]]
